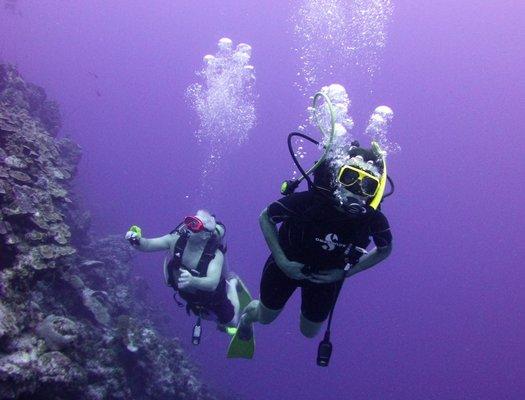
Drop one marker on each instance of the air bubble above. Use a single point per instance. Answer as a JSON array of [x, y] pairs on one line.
[[224, 100], [338, 36], [378, 126]]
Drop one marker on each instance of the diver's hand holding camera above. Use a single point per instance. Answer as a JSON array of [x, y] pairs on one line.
[[133, 235]]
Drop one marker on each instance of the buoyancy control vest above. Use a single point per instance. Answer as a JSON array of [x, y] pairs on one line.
[[214, 243], [302, 235]]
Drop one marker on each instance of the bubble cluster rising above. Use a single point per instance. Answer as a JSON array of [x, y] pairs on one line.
[[336, 36], [224, 99], [377, 129]]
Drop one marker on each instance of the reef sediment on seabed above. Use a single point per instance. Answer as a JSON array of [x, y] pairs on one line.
[[74, 322]]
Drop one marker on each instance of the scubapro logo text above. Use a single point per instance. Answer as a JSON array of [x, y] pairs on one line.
[[330, 242]]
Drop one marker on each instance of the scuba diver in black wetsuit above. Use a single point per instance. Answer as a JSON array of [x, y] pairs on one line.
[[321, 241], [195, 268], [323, 237]]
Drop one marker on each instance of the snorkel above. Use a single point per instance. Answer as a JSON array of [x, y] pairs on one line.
[[384, 176]]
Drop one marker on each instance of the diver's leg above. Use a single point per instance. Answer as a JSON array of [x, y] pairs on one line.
[[231, 292], [256, 311], [276, 288], [316, 303], [309, 328], [224, 305]]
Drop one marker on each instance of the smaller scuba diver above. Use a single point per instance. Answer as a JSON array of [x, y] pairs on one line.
[[322, 240], [195, 268]]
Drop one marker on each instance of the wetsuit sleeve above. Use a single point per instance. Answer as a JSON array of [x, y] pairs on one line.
[[380, 231], [284, 208]]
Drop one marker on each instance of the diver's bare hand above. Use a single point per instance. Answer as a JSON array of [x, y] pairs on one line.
[[185, 280], [328, 276], [133, 235], [291, 269]]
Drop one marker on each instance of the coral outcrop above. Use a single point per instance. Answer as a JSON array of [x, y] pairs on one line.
[[72, 322]]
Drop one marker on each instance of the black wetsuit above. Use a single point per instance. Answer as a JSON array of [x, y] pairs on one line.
[[316, 233]]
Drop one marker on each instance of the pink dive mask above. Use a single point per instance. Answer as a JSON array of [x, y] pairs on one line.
[[194, 224]]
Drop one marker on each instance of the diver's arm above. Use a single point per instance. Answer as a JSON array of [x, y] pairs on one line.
[[374, 257], [291, 268], [207, 283], [155, 244], [269, 230]]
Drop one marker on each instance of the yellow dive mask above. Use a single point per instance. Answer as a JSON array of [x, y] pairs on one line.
[[371, 186], [350, 175]]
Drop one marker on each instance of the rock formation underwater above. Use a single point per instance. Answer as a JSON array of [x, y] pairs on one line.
[[74, 322]]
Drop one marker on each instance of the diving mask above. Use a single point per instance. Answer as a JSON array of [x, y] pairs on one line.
[[194, 224], [349, 175]]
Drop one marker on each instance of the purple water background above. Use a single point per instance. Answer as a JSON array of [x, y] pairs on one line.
[[442, 318]]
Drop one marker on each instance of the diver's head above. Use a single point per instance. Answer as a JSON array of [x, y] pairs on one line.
[[205, 223], [360, 172], [353, 176], [202, 221]]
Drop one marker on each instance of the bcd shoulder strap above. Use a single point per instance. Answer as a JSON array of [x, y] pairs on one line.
[[176, 260], [208, 254]]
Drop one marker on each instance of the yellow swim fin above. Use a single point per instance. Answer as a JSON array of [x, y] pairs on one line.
[[241, 348]]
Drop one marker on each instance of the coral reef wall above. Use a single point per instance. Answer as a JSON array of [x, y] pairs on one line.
[[74, 322]]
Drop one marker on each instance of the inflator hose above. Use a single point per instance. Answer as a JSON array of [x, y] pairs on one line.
[[305, 174]]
